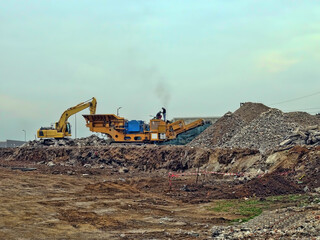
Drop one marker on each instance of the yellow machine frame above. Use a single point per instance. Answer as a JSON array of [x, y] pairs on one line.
[[159, 131], [62, 127]]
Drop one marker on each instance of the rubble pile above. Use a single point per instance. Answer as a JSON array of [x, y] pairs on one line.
[[92, 140], [304, 119], [293, 169], [250, 111], [144, 157], [264, 133], [221, 131], [303, 136], [229, 125], [286, 223], [257, 126]]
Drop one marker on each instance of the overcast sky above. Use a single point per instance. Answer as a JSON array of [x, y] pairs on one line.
[[196, 58]]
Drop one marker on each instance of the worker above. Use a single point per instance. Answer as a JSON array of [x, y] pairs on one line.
[[164, 111], [159, 116]]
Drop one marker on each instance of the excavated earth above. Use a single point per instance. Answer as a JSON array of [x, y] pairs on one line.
[[124, 192]]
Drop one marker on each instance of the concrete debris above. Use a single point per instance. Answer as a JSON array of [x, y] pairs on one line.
[[92, 140], [291, 170], [257, 126], [229, 125], [286, 223], [303, 119], [221, 131], [50, 164], [303, 136], [123, 170], [24, 169], [265, 132]]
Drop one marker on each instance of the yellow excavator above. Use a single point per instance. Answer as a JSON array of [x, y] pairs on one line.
[[62, 128]]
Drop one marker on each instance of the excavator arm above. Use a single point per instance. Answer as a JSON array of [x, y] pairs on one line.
[[62, 123], [62, 127]]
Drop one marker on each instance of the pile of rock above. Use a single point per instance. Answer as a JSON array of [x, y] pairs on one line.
[[229, 125], [222, 131], [263, 133], [257, 126], [249, 111], [303, 136], [304, 119], [287, 223], [92, 140]]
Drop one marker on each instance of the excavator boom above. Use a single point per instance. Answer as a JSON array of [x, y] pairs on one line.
[[61, 124], [62, 127]]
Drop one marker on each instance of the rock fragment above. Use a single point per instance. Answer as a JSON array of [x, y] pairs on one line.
[[92, 140]]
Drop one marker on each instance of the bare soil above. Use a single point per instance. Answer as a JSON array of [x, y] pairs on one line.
[[124, 192], [40, 205]]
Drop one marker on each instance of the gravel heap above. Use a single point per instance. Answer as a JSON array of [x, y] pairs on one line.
[[92, 140], [286, 223], [264, 133], [257, 126], [250, 111], [228, 125], [304, 119], [222, 131]]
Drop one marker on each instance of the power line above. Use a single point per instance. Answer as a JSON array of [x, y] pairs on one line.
[[295, 99], [315, 108]]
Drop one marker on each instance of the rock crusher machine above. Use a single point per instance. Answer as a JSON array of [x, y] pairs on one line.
[[137, 131]]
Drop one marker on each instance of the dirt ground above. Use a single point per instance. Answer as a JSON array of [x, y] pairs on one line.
[[35, 205], [118, 193]]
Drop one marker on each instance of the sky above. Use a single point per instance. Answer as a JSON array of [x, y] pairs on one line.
[[195, 58]]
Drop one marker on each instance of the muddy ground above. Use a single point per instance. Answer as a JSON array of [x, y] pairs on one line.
[[124, 192]]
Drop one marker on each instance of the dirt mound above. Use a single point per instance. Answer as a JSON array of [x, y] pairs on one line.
[[307, 166], [249, 111], [268, 185]]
